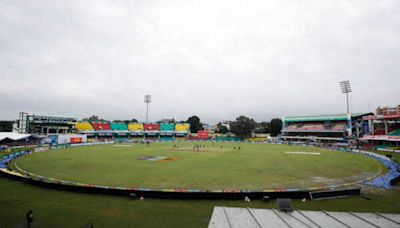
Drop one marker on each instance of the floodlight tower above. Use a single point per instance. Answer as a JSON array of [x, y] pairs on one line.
[[147, 100], [346, 88]]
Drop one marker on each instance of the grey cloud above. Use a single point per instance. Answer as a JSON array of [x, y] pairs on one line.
[[217, 59]]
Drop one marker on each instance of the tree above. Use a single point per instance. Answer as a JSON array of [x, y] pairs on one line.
[[195, 124], [276, 126], [222, 128], [166, 121], [243, 126], [126, 121], [93, 118], [262, 128], [6, 126]]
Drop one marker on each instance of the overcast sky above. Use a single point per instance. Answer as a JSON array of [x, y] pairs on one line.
[[215, 59]]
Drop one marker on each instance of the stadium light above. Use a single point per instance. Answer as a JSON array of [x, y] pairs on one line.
[[346, 88], [147, 100]]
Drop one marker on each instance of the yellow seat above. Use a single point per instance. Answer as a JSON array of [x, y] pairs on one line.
[[84, 126], [182, 127], [135, 127]]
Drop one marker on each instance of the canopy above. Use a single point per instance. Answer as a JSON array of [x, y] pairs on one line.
[[331, 117], [13, 136]]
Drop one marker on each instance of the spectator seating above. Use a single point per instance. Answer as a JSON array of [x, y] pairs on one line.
[[306, 127], [167, 127], [84, 126], [101, 126], [395, 133], [316, 127], [182, 127], [135, 127], [339, 127], [119, 127], [151, 127]]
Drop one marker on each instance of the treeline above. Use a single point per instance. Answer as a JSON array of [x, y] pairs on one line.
[[244, 126]]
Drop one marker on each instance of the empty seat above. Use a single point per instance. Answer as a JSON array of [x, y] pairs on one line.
[[182, 127], [135, 127], [84, 126], [119, 126], [101, 126]]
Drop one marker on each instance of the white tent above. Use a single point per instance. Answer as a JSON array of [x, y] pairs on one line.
[[13, 136], [16, 136]]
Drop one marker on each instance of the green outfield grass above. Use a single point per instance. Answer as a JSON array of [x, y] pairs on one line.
[[55, 208], [254, 167]]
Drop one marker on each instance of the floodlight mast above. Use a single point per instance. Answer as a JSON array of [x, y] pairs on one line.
[[346, 88], [147, 100]]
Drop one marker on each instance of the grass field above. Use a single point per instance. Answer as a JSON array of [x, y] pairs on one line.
[[213, 167], [55, 208]]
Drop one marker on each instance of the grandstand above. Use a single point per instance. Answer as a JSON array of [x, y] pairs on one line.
[[151, 131], [182, 131], [103, 131], [167, 131], [137, 127], [386, 127], [120, 131], [182, 127], [101, 126], [324, 128], [84, 127], [119, 127], [137, 131], [167, 127], [150, 127]]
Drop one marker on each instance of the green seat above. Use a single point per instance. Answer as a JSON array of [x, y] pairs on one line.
[[167, 127], [395, 133], [119, 127]]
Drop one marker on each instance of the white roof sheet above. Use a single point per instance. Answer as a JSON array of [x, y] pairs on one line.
[[249, 217]]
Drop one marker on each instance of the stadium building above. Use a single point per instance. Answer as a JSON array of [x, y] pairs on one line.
[[45, 125], [333, 128], [386, 129]]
